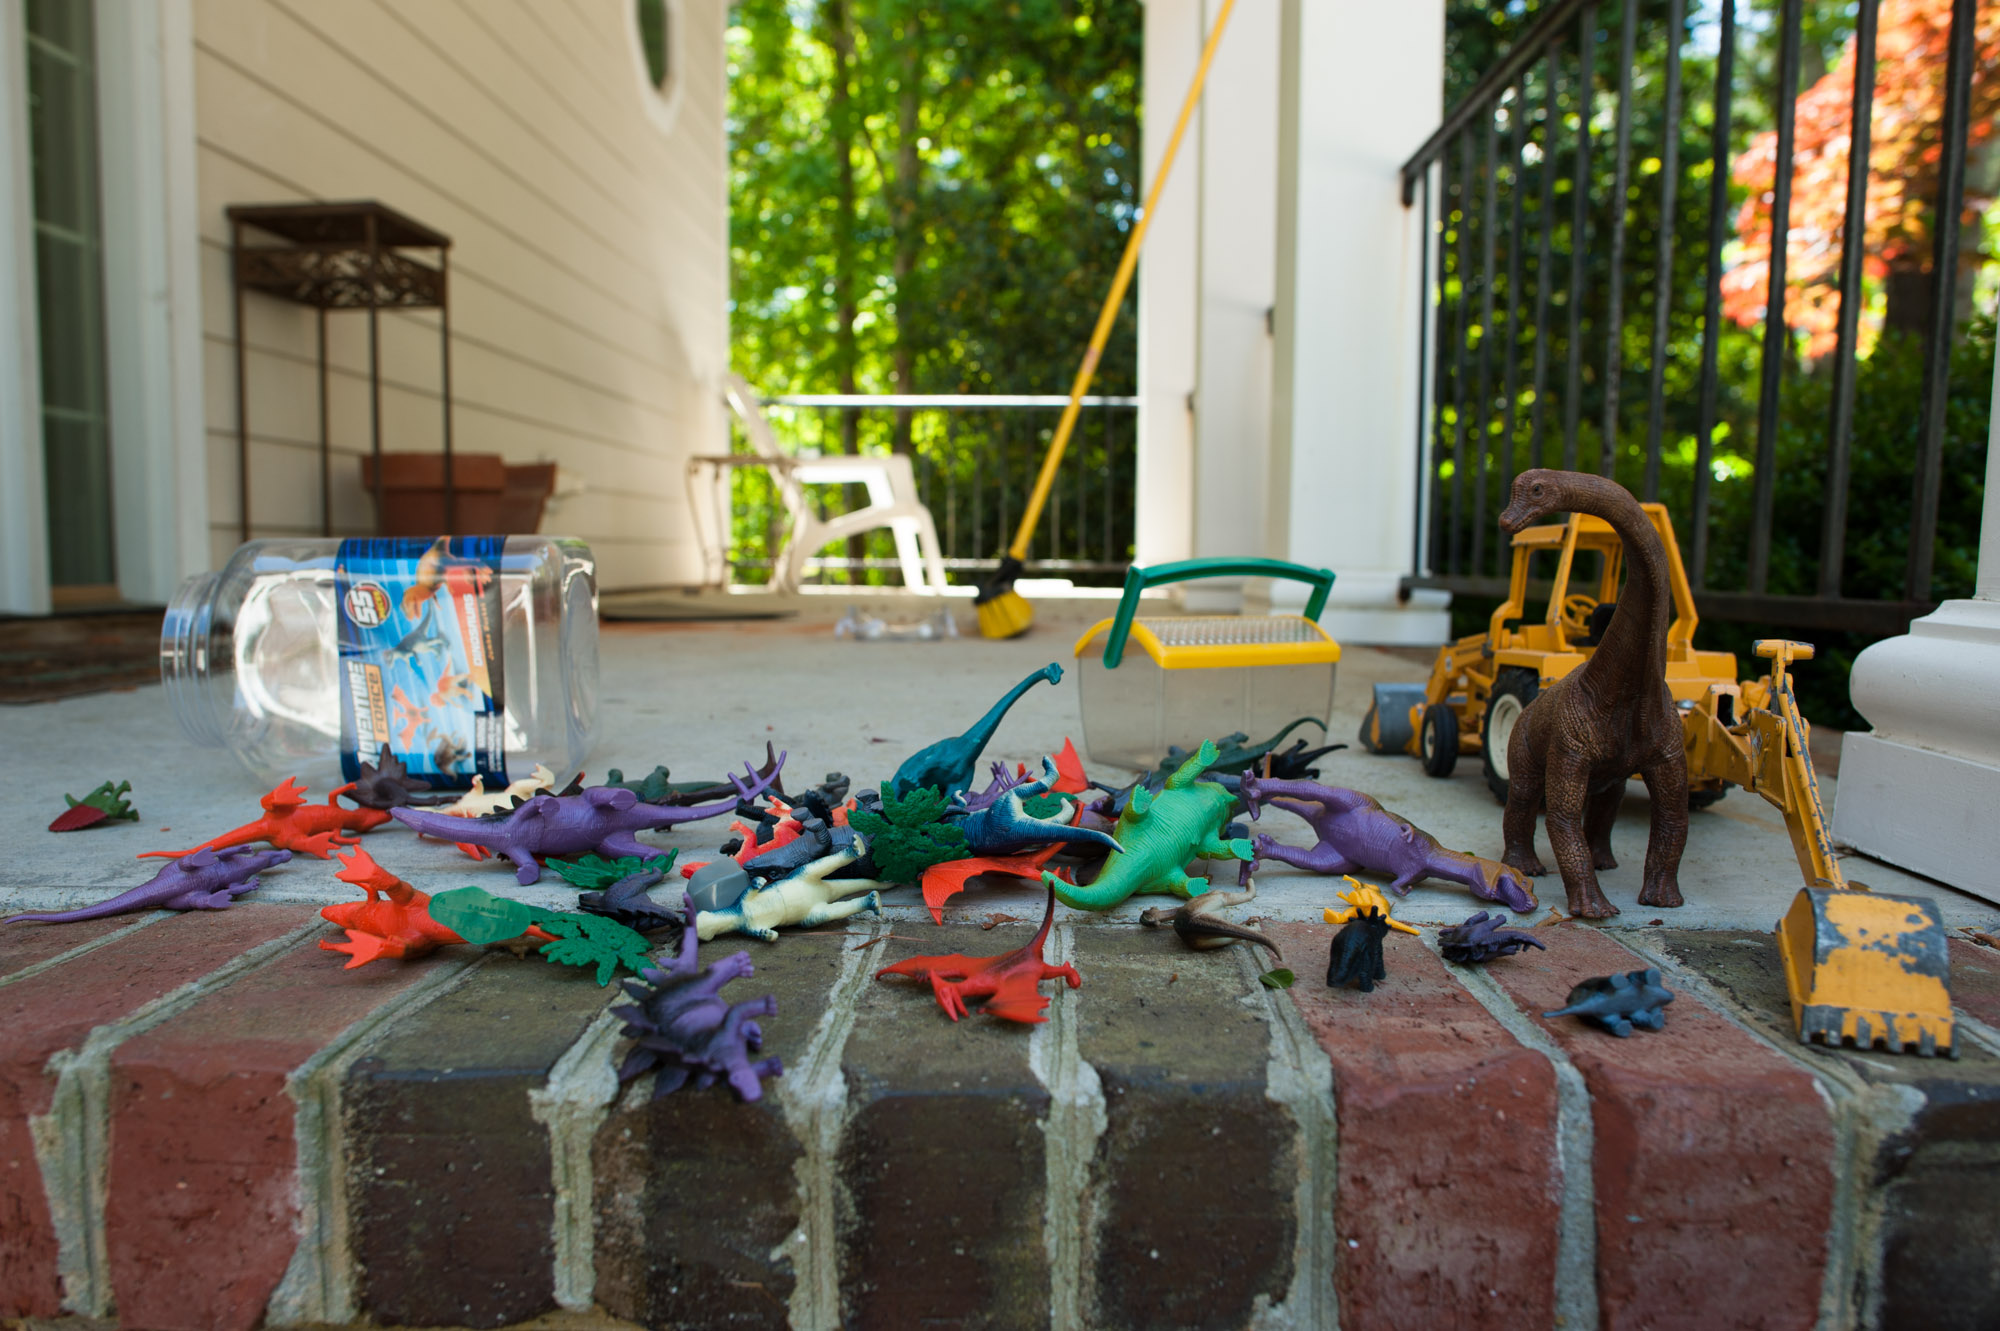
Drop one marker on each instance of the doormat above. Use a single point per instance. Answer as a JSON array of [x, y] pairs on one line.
[[42, 659]]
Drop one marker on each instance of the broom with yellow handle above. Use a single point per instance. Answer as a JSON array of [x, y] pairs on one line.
[[1002, 611]]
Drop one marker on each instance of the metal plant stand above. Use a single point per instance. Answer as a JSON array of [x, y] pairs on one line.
[[339, 256]]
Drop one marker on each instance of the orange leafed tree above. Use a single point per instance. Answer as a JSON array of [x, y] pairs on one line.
[[1905, 150]]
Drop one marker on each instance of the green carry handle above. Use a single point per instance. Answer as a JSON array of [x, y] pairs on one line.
[[1138, 579]]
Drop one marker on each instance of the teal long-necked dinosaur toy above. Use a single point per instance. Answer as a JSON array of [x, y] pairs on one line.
[[948, 766], [1160, 834]]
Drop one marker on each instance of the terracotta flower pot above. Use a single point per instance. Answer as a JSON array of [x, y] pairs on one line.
[[490, 497]]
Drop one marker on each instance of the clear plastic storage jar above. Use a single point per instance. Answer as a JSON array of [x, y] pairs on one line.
[[464, 656]]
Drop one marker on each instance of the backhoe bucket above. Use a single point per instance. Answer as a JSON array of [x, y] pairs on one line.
[[1387, 728], [1868, 969]]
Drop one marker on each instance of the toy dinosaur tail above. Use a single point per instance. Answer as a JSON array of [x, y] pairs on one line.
[[1048, 916]]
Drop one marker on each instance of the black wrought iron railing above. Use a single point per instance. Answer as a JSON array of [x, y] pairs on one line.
[[1567, 323], [975, 458]]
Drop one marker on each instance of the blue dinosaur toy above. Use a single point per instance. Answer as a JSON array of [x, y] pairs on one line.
[[1620, 1003], [948, 765], [1004, 827], [205, 880]]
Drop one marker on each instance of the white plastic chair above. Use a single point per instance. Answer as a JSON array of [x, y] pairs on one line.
[[892, 502]]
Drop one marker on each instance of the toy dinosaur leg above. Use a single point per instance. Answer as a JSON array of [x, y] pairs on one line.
[[1666, 783], [1598, 816], [1566, 793], [1321, 858], [1618, 1025], [1526, 786], [1225, 848], [1653, 1019], [1176, 881], [840, 910]]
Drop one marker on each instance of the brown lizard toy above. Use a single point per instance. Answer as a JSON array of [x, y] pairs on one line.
[[1203, 931], [1588, 732]]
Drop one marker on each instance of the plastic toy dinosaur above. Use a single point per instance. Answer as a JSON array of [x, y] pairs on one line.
[[1004, 827], [1010, 983], [290, 823], [655, 788], [1620, 1004], [1481, 938], [203, 880], [1158, 835], [1202, 931], [627, 900], [602, 819], [1362, 899], [942, 882], [1355, 959], [386, 783], [1235, 754], [682, 1028], [948, 765], [1358, 835], [479, 802], [105, 804], [810, 897], [395, 921]]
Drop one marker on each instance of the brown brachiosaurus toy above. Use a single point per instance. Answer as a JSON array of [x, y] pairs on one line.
[[1577, 743]]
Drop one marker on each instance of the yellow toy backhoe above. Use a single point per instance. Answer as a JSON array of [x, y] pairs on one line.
[[1863, 968]]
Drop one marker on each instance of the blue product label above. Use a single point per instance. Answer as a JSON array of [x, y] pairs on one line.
[[420, 657]]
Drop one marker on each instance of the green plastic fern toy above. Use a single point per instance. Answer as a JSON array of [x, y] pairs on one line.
[[910, 834], [481, 918]]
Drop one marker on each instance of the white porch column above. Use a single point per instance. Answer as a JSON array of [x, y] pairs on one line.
[[1236, 289], [1167, 286], [1922, 790], [1361, 85]]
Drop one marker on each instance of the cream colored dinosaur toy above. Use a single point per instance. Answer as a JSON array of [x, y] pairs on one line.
[[807, 898], [478, 802]]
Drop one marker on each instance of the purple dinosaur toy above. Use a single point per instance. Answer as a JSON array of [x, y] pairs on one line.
[[684, 1028], [601, 820], [205, 880], [1358, 835], [1481, 938]]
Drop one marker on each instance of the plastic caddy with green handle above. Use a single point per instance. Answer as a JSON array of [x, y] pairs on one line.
[[1151, 682]]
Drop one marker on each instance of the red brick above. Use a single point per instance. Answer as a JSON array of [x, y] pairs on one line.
[[25, 945], [56, 1010], [1450, 1181], [1713, 1155], [203, 1156], [1975, 981]]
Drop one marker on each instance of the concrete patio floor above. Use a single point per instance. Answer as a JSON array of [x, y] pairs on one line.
[[704, 696]]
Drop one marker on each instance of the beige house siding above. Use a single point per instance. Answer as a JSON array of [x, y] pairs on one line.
[[588, 266]]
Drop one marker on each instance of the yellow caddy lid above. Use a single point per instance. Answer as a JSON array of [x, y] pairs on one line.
[[1211, 642]]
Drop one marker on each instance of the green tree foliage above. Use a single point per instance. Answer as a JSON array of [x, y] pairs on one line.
[[927, 198]]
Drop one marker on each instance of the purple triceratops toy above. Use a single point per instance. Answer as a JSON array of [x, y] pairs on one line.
[[205, 880], [684, 1029], [601, 820], [1358, 835]]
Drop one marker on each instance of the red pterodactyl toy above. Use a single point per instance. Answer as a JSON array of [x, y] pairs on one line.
[[942, 882], [1009, 982], [289, 823], [1070, 778]]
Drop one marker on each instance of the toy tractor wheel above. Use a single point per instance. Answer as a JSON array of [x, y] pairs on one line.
[[1438, 745], [1513, 690]]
